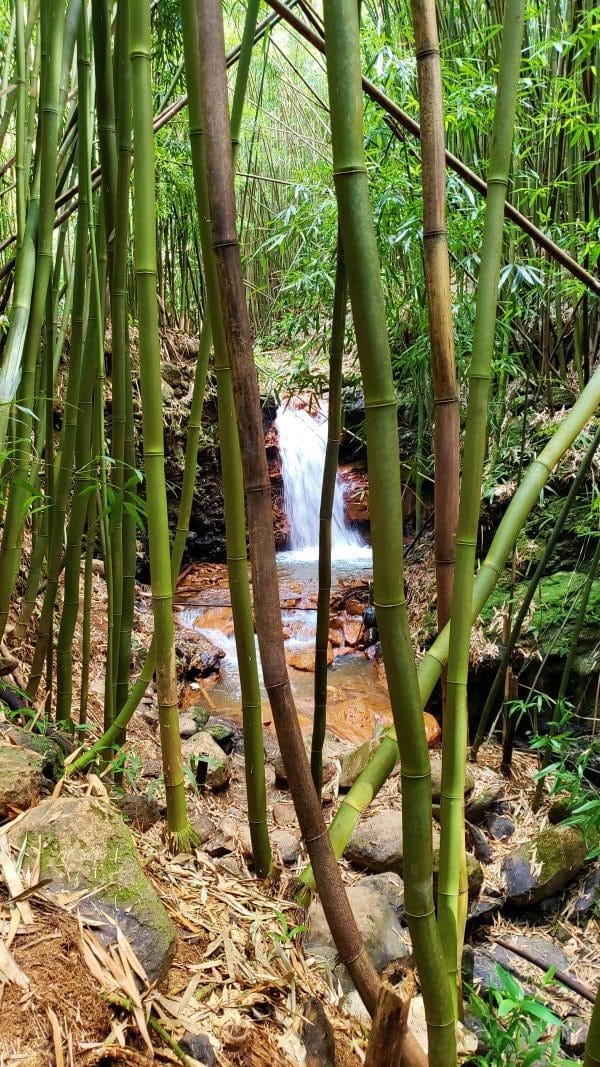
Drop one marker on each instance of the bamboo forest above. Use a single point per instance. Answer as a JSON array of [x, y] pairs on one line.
[[299, 533]]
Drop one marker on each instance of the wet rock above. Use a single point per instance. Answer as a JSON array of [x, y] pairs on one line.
[[589, 898], [352, 632], [573, 1035], [483, 911], [196, 655], [317, 1035], [436, 777], [480, 804], [542, 867], [354, 763], [199, 1046], [378, 905], [22, 779], [210, 765], [374, 651], [138, 811], [369, 618], [377, 844], [303, 659], [336, 638], [286, 844], [226, 732], [370, 636], [83, 845], [187, 726], [433, 730], [501, 827], [354, 606], [474, 873]]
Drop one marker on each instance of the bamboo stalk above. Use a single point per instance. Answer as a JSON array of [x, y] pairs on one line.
[[591, 1056], [154, 459], [334, 427], [219, 171], [439, 303], [452, 882], [386, 755], [385, 497]]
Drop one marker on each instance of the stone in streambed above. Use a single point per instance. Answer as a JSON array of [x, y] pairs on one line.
[[83, 845], [210, 765], [377, 844], [542, 867], [378, 905], [22, 779]]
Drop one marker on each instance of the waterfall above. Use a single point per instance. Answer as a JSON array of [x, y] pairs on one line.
[[302, 444]]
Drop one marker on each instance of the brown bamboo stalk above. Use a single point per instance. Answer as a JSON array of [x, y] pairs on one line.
[[219, 168]]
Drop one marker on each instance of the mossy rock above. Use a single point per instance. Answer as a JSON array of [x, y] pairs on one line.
[[22, 779], [84, 846], [542, 867], [53, 756]]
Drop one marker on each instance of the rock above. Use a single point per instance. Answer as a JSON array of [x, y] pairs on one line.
[[187, 726], [22, 779], [377, 843], [474, 873], [354, 606], [336, 638], [436, 777], [226, 732], [354, 763], [210, 765], [542, 867], [369, 618], [587, 901], [501, 827], [352, 632], [378, 905], [199, 1047], [483, 911], [199, 713], [317, 1035], [204, 827], [49, 748], [196, 655], [573, 1035], [480, 804], [371, 636], [433, 730], [303, 659], [139, 811], [479, 844], [559, 810], [373, 652], [286, 844], [281, 780], [150, 768], [284, 814], [83, 845], [486, 961]]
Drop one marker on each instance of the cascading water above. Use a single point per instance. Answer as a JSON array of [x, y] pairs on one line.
[[302, 444]]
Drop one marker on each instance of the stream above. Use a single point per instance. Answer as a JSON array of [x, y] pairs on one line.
[[357, 693]]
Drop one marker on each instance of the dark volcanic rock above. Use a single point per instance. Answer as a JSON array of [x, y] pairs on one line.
[[542, 867]]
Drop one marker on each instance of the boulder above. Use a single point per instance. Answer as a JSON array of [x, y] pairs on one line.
[[22, 779], [480, 803], [84, 847], [287, 844], [378, 905], [210, 765], [542, 867], [187, 726], [352, 631], [486, 960], [139, 811], [227, 733], [501, 827], [377, 845], [436, 777], [354, 763], [474, 873], [196, 655], [51, 749]]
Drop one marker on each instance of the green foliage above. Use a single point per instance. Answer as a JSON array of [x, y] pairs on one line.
[[515, 1026]]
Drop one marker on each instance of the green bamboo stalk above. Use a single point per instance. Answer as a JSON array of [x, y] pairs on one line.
[[386, 755], [121, 382], [342, 46], [452, 882], [51, 32], [158, 522], [495, 690], [334, 428], [21, 105], [439, 304], [591, 1056], [231, 465], [236, 323]]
